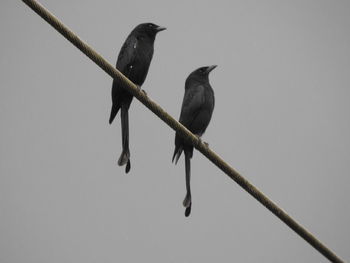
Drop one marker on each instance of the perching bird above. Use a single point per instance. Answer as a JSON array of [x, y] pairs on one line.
[[197, 109], [133, 61]]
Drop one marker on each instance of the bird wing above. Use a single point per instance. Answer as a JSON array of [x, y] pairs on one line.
[[127, 54], [192, 103]]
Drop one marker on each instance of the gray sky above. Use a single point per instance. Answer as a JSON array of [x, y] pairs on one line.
[[281, 119]]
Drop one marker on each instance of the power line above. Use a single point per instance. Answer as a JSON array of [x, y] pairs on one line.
[[185, 133]]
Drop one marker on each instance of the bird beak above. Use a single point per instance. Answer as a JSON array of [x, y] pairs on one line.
[[210, 68], [160, 28]]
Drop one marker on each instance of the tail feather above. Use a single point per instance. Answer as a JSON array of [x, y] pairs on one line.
[[125, 159], [125, 155], [177, 153], [188, 199], [114, 111], [188, 210]]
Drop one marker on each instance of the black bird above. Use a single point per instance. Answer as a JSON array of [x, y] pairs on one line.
[[196, 111], [133, 61]]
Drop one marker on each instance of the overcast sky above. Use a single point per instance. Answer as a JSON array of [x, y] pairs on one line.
[[281, 119]]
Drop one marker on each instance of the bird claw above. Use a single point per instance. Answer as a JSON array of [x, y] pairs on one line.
[[144, 92], [139, 87], [201, 141]]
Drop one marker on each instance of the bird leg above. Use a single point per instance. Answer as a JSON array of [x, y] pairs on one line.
[[201, 141], [144, 92]]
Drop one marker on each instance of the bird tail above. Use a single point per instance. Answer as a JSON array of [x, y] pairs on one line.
[[188, 199], [177, 153], [125, 155], [114, 111]]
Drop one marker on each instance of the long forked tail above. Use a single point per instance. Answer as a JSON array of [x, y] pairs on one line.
[[125, 155], [188, 199]]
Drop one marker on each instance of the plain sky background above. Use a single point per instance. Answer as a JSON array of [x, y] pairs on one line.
[[281, 119]]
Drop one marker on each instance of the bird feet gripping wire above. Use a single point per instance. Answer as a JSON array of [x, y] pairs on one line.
[[144, 92], [201, 141]]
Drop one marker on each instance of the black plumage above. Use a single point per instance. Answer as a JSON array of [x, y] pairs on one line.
[[133, 61], [196, 111]]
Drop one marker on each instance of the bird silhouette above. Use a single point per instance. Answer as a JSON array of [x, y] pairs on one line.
[[196, 111], [133, 61]]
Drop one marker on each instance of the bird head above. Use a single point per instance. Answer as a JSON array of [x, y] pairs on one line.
[[201, 73], [148, 29]]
